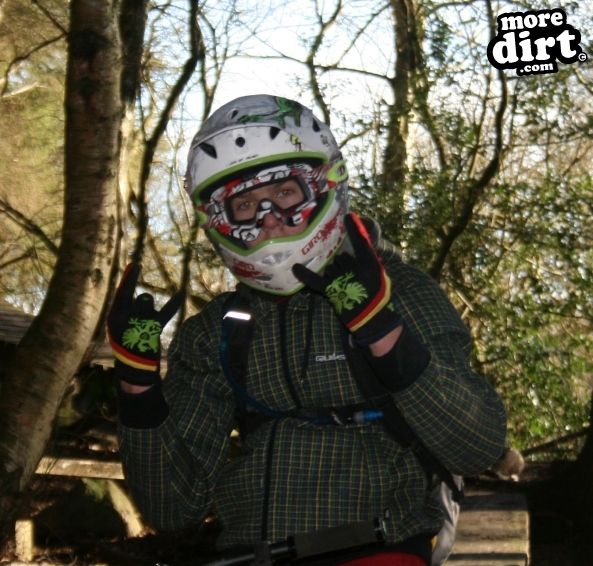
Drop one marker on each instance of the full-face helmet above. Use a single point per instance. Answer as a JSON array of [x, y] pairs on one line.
[[255, 141]]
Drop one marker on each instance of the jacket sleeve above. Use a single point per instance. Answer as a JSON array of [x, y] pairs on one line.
[[454, 411], [171, 467]]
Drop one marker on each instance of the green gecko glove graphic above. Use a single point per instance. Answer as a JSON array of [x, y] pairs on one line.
[[344, 293]]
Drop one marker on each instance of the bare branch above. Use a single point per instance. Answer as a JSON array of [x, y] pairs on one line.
[[160, 263], [28, 225], [310, 60], [19, 59], [583, 81], [552, 444], [209, 91], [29, 253], [196, 53], [318, 66], [477, 187], [50, 17], [362, 30]]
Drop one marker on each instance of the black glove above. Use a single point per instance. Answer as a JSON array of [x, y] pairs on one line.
[[134, 329], [357, 286]]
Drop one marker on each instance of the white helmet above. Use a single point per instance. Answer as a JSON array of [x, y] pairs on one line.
[[257, 140]]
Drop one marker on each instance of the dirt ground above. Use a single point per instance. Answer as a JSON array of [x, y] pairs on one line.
[[75, 524]]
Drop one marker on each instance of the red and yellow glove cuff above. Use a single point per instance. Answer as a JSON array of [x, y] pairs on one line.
[[380, 300], [132, 360]]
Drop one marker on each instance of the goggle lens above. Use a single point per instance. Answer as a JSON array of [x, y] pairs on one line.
[[250, 206]]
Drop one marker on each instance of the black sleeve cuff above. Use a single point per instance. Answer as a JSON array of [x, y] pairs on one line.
[[403, 364], [142, 410]]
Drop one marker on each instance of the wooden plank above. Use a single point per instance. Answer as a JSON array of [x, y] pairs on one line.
[[496, 559], [80, 468], [493, 530], [24, 539]]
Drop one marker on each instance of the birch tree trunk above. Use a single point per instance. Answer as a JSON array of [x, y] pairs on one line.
[[52, 349]]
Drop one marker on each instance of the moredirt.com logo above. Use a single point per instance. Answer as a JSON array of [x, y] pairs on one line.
[[531, 42]]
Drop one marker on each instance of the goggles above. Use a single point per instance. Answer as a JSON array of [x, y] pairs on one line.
[[237, 208]]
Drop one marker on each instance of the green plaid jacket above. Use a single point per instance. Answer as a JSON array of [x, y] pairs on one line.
[[293, 476]]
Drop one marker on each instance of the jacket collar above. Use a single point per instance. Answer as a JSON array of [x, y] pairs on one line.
[[263, 303]]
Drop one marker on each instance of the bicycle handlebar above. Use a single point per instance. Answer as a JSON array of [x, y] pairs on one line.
[[306, 545]]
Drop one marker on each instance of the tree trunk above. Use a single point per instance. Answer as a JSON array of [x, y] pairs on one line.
[[395, 157], [52, 349]]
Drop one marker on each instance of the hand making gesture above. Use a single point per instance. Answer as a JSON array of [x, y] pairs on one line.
[[357, 286], [134, 329]]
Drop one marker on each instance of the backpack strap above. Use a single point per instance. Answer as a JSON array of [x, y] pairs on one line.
[[393, 420], [236, 336]]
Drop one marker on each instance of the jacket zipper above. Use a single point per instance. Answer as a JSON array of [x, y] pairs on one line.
[[284, 357], [295, 398]]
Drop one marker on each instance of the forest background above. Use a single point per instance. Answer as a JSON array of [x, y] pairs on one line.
[[481, 177]]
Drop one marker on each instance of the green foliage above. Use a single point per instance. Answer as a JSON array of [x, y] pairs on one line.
[[523, 268], [542, 381], [520, 268]]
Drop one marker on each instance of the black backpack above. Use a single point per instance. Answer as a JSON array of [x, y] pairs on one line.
[[236, 334]]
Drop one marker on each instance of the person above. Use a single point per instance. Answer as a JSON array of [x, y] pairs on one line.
[[270, 188]]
